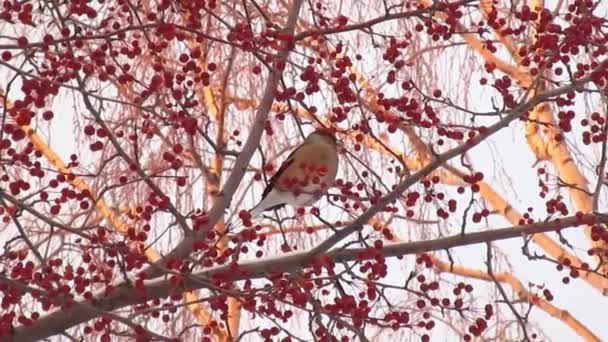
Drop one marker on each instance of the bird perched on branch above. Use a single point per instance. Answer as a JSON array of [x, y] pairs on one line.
[[305, 176]]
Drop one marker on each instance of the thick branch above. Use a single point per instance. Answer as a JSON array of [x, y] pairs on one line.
[[242, 161], [125, 294]]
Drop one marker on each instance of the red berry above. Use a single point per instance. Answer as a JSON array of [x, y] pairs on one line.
[[245, 215]]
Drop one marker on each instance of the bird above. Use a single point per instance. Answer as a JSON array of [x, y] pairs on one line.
[[304, 176]]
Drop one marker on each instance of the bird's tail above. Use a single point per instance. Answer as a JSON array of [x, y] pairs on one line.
[[257, 210], [273, 200]]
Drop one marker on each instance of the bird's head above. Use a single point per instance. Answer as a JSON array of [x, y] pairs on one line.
[[322, 135]]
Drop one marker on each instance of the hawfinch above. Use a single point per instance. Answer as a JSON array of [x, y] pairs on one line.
[[305, 176]]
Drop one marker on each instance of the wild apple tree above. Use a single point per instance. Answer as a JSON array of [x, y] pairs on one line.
[[470, 199]]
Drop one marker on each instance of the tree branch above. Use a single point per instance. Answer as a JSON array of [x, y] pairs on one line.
[[513, 114], [125, 294]]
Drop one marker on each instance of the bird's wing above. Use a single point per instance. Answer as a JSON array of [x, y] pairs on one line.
[[289, 170], [277, 175]]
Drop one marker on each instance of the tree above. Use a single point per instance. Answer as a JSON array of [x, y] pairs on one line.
[[136, 134]]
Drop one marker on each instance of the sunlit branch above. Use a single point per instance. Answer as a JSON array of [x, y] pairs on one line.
[[522, 294]]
